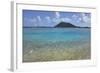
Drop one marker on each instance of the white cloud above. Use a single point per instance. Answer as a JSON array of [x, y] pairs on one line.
[[39, 18], [74, 16], [48, 18], [32, 20], [57, 14], [56, 20], [85, 18], [65, 19], [79, 20]]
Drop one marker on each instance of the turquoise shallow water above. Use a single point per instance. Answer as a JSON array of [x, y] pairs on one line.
[[56, 34], [44, 39]]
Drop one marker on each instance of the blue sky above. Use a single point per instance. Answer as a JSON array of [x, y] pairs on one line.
[[33, 18]]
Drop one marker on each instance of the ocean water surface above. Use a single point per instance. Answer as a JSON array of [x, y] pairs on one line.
[[56, 44]]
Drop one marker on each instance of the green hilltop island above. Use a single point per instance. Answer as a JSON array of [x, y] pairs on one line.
[[67, 25]]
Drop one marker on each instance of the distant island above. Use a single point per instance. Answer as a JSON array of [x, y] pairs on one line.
[[67, 25], [59, 25], [64, 25]]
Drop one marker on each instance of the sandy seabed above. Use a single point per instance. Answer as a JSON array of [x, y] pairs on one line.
[[57, 51]]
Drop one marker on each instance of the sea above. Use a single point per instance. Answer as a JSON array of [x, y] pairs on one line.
[[56, 44]]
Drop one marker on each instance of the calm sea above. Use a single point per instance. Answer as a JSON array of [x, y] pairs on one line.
[[44, 39]]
